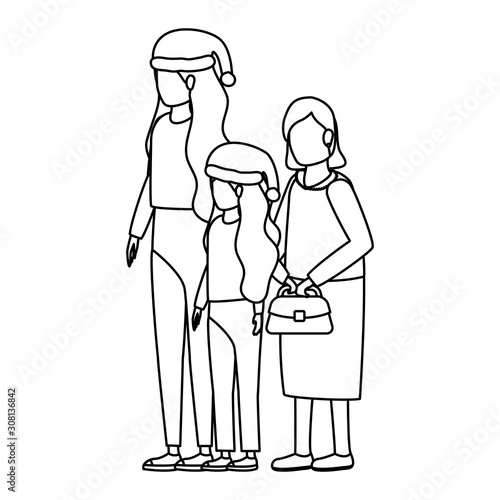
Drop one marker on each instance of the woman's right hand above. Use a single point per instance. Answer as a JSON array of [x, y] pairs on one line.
[[132, 249], [196, 318], [292, 286]]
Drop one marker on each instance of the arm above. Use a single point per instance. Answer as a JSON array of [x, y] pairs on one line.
[[140, 222], [258, 310], [280, 273], [202, 293], [348, 211], [143, 212], [200, 301]]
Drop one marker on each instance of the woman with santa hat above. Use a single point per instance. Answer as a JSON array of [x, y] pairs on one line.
[[192, 69]]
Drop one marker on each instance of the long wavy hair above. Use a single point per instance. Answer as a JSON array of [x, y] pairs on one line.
[[257, 240], [208, 102]]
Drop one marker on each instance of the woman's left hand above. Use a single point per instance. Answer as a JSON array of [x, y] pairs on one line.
[[304, 285], [257, 324]]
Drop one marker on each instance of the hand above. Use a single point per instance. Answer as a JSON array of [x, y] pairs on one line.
[[132, 249], [290, 284], [304, 286], [196, 318], [257, 324]]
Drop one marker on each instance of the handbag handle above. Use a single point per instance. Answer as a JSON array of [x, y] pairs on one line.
[[285, 291], [316, 291]]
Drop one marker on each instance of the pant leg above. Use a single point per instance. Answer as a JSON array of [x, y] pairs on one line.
[[178, 238], [198, 354], [222, 362], [169, 318], [189, 259], [236, 320], [248, 376]]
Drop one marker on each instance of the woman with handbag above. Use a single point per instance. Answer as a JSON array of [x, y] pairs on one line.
[[241, 244], [324, 238]]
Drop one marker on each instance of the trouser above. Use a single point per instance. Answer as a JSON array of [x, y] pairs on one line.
[[177, 263], [235, 363]]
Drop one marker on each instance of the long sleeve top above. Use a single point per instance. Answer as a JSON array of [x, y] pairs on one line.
[[169, 182], [223, 275]]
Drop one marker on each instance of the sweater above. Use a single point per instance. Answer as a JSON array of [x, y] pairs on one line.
[[170, 183]]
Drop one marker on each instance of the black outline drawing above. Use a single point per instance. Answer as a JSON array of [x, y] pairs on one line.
[[320, 203], [195, 177], [241, 244], [294, 314], [192, 68]]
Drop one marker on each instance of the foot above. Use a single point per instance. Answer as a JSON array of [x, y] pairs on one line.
[[333, 462], [243, 465], [292, 462], [193, 463], [164, 463], [219, 464]]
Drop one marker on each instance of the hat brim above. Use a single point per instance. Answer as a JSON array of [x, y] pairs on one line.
[[229, 175], [182, 63]]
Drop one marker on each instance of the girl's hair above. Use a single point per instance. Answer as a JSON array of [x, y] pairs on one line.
[[299, 110], [256, 242], [208, 105]]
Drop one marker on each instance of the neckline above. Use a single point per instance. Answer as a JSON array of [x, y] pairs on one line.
[[332, 176], [230, 223], [185, 114]]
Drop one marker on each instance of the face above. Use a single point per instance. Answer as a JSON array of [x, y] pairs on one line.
[[171, 88], [224, 196], [308, 141]]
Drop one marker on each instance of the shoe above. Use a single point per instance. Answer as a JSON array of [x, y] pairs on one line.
[[218, 465], [165, 463], [243, 465], [292, 463], [194, 463], [333, 462]]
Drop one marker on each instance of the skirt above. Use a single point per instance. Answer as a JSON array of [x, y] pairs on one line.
[[328, 366]]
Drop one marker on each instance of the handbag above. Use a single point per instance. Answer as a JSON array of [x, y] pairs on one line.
[[291, 314]]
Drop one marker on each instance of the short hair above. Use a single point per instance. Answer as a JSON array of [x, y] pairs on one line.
[[302, 107]]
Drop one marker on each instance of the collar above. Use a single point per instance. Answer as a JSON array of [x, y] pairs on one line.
[[319, 185]]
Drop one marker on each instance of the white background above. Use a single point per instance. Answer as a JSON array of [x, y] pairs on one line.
[[62, 239]]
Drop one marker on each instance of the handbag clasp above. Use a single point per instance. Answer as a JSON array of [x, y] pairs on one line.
[[299, 315]]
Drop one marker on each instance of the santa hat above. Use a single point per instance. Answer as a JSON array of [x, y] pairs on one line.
[[244, 164], [193, 50]]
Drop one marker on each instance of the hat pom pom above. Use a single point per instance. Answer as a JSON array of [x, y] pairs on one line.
[[273, 194], [228, 79]]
